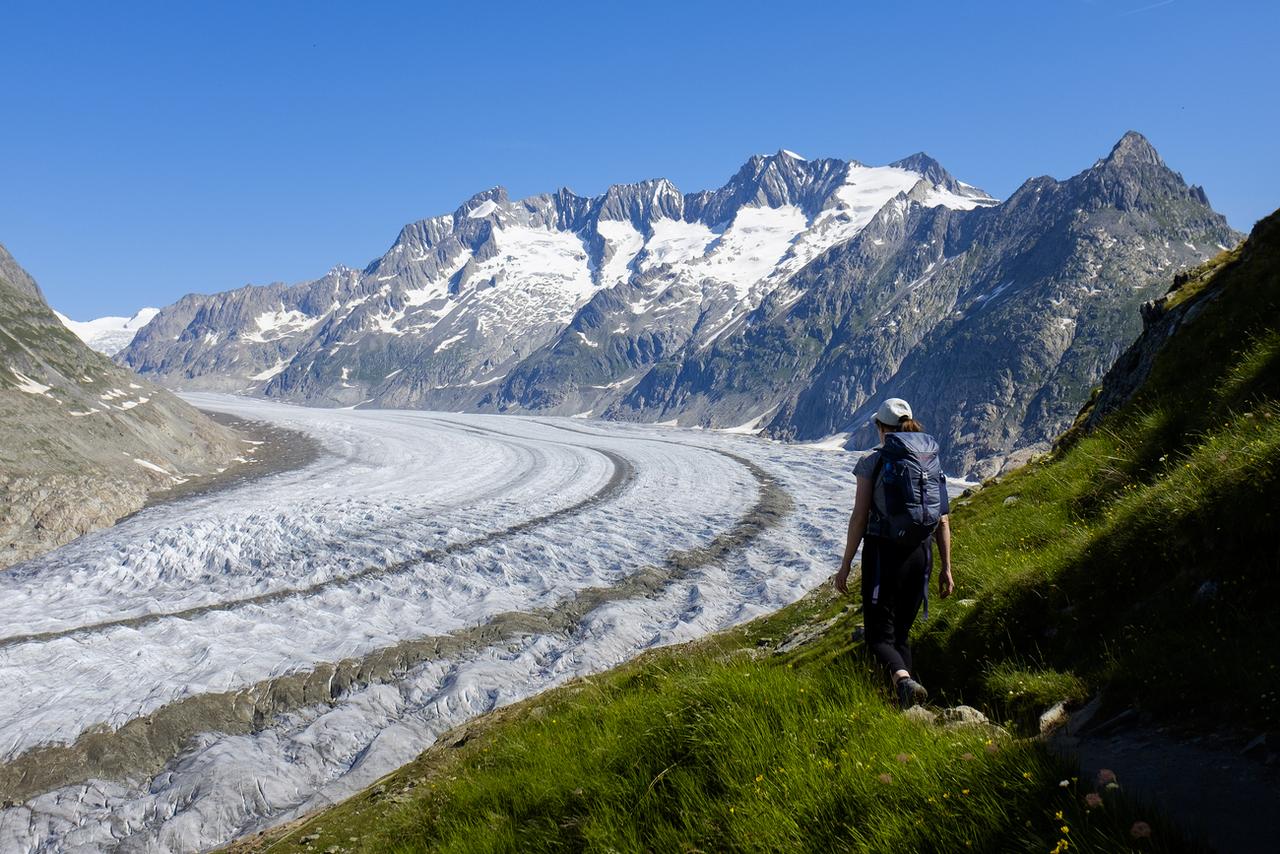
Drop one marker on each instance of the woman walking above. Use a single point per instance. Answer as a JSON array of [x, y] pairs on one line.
[[899, 510]]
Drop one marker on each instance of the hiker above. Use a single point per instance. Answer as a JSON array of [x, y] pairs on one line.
[[899, 511]]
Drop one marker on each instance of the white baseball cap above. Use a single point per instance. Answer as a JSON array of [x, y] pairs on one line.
[[892, 411]]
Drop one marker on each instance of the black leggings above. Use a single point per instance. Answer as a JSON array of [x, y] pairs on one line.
[[895, 581]]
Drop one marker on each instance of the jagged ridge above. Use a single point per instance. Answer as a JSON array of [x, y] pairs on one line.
[[787, 301]]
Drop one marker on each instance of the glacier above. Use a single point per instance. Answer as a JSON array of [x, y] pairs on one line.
[[494, 556], [109, 335]]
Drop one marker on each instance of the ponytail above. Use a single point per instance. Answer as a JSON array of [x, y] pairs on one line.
[[910, 425], [906, 425]]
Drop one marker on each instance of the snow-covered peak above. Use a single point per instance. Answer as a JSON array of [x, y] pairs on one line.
[[111, 334], [944, 187], [465, 296], [539, 259], [640, 203], [498, 195], [775, 181], [483, 209]]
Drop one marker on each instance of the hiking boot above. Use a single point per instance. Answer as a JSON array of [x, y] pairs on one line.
[[910, 693]]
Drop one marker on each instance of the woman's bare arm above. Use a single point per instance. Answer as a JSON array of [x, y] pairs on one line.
[[946, 584], [857, 527]]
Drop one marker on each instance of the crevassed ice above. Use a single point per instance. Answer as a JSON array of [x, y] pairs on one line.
[[390, 472]]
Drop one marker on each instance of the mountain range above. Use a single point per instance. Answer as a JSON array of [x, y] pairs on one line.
[[787, 303]]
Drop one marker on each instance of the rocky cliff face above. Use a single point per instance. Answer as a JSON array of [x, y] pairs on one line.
[[1251, 264], [788, 301], [995, 322], [82, 440], [450, 314]]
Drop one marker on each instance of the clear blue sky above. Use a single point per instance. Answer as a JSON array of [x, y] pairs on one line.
[[151, 150]]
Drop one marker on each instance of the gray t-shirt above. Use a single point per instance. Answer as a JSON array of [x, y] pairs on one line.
[[865, 467], [866, 464]]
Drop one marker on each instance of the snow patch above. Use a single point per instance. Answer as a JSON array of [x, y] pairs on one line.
[[147, 464], [675, 241], [625, 242], [28, 385], [483, 209], [449, 342], [270, 372], [834, 442], [277, 324], [749, 428]]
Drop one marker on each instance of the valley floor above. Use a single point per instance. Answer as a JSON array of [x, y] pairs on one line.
[[214, 665]]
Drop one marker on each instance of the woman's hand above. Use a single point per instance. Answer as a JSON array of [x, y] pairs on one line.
[[946, 584], [842, 579]]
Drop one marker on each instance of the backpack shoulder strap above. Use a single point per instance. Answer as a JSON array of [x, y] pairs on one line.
[[878, 467], [875, 513]]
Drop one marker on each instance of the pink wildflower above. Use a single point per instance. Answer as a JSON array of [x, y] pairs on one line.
[[1105, 776], [885, 778], [1093, 800], [967, 757], [1140, 830], [903, 757]]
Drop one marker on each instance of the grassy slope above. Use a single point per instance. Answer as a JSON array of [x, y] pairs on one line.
[[1141, 558], [1079, 573], [720, 745]]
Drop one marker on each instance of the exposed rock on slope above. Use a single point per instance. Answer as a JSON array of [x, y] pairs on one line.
[[787, 301], [82, 440], [994, 322]]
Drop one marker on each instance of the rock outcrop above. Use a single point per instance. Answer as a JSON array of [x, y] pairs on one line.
[[82, 440]]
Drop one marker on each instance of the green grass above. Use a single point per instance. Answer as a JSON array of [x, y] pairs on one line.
[[726, 746], [1138, 561], [1021, 694], [1141, 560]]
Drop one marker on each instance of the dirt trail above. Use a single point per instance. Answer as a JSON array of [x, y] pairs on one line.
[[1225, 787]]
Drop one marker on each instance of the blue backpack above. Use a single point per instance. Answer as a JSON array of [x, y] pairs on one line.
[[908, 479]]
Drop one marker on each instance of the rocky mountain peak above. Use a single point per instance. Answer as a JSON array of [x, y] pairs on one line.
[[484, 203], [773, 181], [642, 202], [929, 168], [1134, 176], [1133, 149], [11, 271]]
